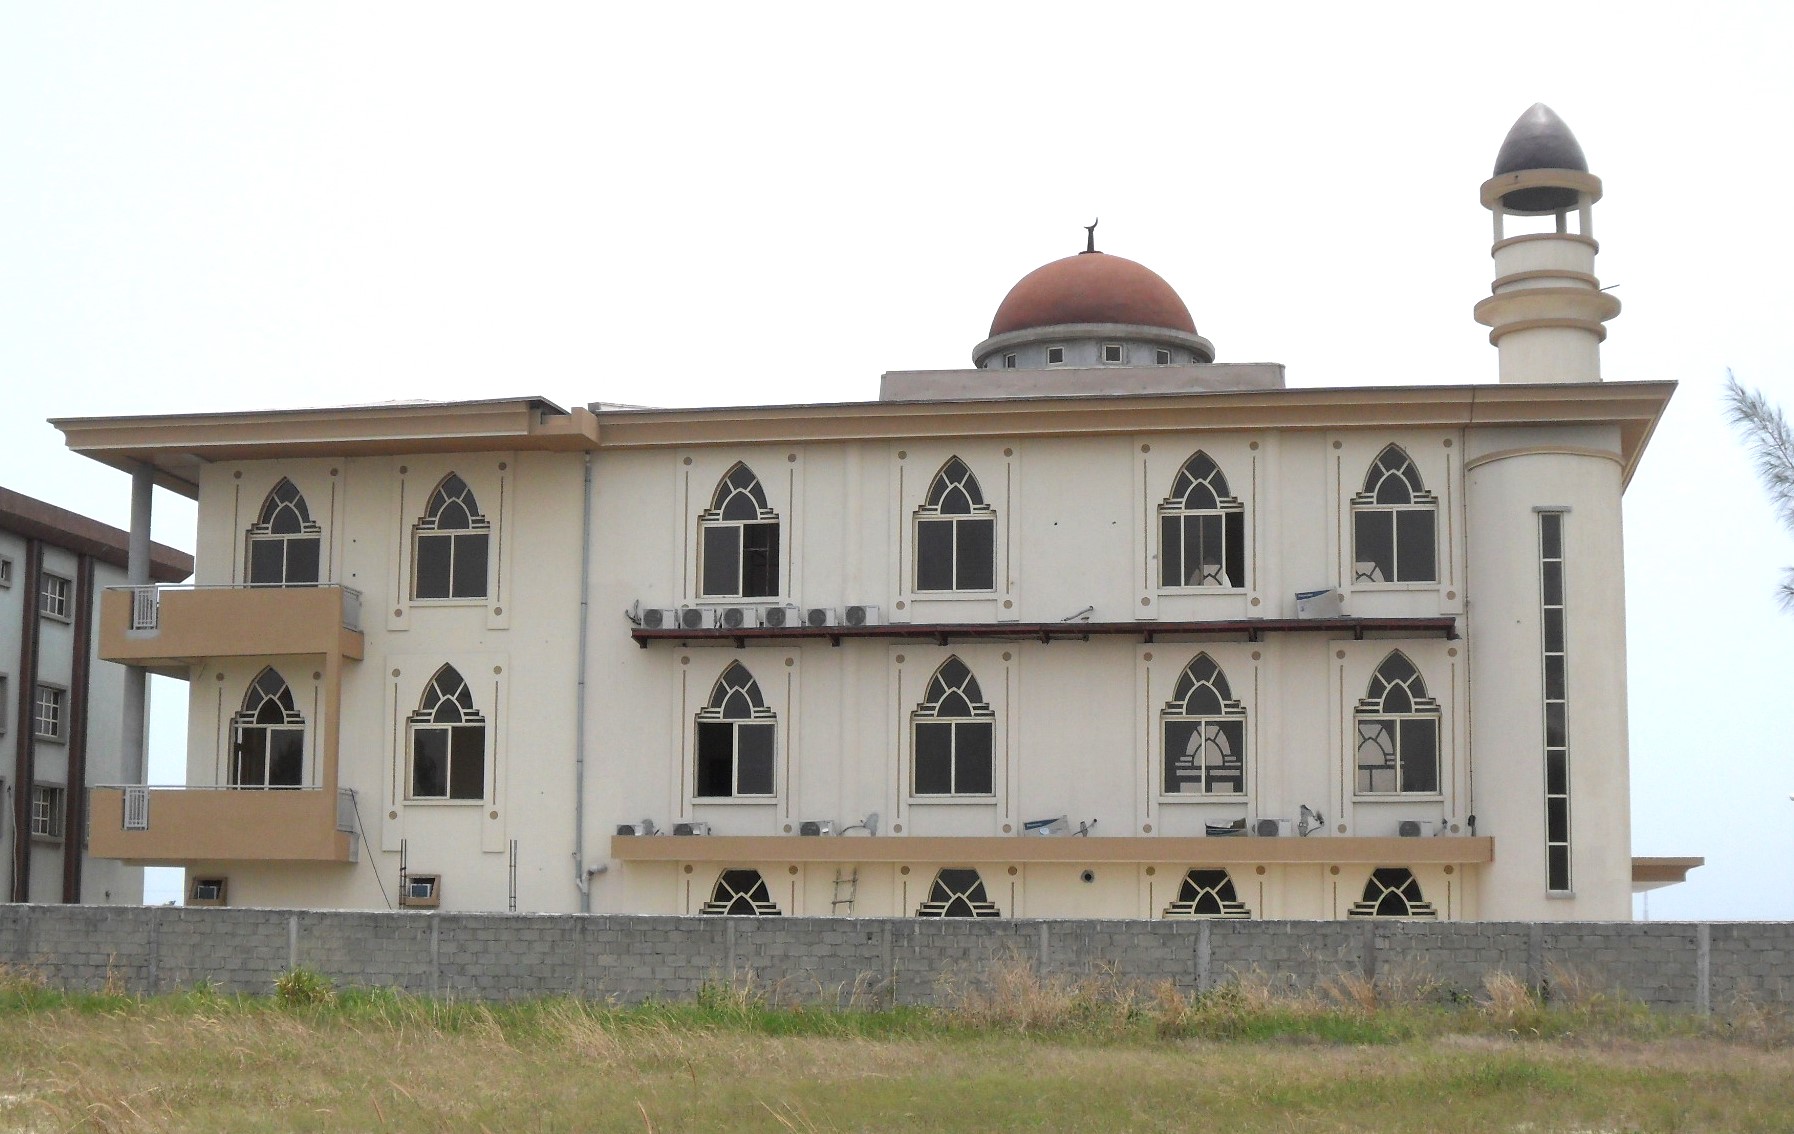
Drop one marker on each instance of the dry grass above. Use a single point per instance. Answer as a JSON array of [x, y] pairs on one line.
[[1013, 1051]]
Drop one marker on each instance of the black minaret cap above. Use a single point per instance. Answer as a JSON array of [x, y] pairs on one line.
[[1539, 140]]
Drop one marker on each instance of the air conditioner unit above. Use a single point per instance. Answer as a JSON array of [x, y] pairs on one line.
[[1273, 828], [737, 617], [861, 616], [691, 828], [693, 618], [645, 827], [816, 827], [422, 891], [207, 891], [1060, 825], [1416, 828], [779, 617], [660, 618], [1224, 830], [1318, 604], [816, 617]]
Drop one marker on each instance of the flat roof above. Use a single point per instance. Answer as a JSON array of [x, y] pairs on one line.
[[177, 446]]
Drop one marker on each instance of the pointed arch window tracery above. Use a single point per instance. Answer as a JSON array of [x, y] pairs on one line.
[[1398, 732], [450, 545], [284, 545], [740, 892], [958, 892], [738, 555], [268, 736], [1394, 523], [956, 533], [1202, 529], [954, 733], [448, 741], [735, 735], [1392, 891], [1204, 733]]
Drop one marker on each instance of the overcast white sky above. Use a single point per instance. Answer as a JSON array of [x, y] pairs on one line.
[[212, 206]]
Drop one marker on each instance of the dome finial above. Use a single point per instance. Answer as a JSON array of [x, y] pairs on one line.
[[1090, 235]]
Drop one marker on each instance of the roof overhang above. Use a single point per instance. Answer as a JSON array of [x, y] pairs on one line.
[[177, 446], [1635, 407], [37, 519], [1656, 873]]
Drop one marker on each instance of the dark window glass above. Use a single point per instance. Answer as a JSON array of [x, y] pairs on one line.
[[467, 763], [722, 560], [1555, 733], [1557, 867], [252, 757], [1373, 543], [1554, 630], [435, 555], [286, 757], [1420, 755], [1183, 757], [1557, 772], [429, 762], [302, 560], [267, 562], [972, 758], [1171, 573], [1553, 576], [1554, 677], [716, 758], [1551, 542], [470, 565], [759, 560], [1414, 547], [934, 759], [1235, 543], [754, 757], [934, 555], [1557, 820], [977, 555]]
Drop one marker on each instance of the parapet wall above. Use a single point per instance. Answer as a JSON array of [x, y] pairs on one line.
[[1670, 965]]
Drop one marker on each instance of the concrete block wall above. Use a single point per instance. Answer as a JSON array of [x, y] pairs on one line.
[[845, 961]]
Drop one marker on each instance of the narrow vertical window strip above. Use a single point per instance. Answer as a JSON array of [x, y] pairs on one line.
[[1554, 680]]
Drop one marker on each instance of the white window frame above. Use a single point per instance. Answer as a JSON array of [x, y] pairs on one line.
[[981, 512], [5, 571], [980, 715], [761, 714], [1050, 360], [1232, 710], [49, 807], [1161, 357], [425, 529], [1120, 358], [55, 596], [1423, 708], [424, 720], [1421, 500], [57, 715]]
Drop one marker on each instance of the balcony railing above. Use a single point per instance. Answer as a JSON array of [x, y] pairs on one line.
[[146, 602], [176, 825], [169, 628]]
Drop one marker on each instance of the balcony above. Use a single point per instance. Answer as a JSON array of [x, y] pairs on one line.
[[172, 826], [167, 629]]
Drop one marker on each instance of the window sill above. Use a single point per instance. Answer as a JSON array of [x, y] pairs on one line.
[[47, 840], [48, 739], [1400, 797], [949, 596], [1559, 895], [65, 619], [952, 800], [449, 601], [1206, 797], [734, 800], [1398, 587], [1176, 592], [428, 802]]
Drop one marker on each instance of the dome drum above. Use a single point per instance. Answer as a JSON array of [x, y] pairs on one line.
[[1540, 192], [1086, 344]]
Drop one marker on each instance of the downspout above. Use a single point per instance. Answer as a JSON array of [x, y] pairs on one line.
[[580, 878]]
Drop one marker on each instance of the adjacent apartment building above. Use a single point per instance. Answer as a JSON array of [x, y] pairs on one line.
[[1097, 626], [62, 709]]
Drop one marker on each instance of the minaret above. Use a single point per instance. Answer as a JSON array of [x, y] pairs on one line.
[[1547, 308]]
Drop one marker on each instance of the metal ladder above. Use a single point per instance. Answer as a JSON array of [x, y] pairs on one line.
[[852, 882]]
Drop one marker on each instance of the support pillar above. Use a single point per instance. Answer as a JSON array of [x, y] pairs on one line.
[[133, 737]]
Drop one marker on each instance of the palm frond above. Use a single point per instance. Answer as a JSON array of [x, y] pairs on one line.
[[1770, 440]]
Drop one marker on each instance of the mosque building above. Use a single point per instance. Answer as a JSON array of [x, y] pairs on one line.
[[1096, 627]]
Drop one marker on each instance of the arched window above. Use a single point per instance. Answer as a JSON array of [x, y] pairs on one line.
[[735, 738], [1205, 733], [448, 741], [1202, 529], [1393, 523], [958, 892], [740, 892], [1392, 892], [956, 534], [450, 545], [1398, 732], [268, 736], [1207, 893], [284, 542], [738, 555], [955, 734]]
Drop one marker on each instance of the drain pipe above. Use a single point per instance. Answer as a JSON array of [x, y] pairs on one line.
[[580, 878]]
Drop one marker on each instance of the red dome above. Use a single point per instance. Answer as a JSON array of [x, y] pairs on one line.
[[1091, 287]]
